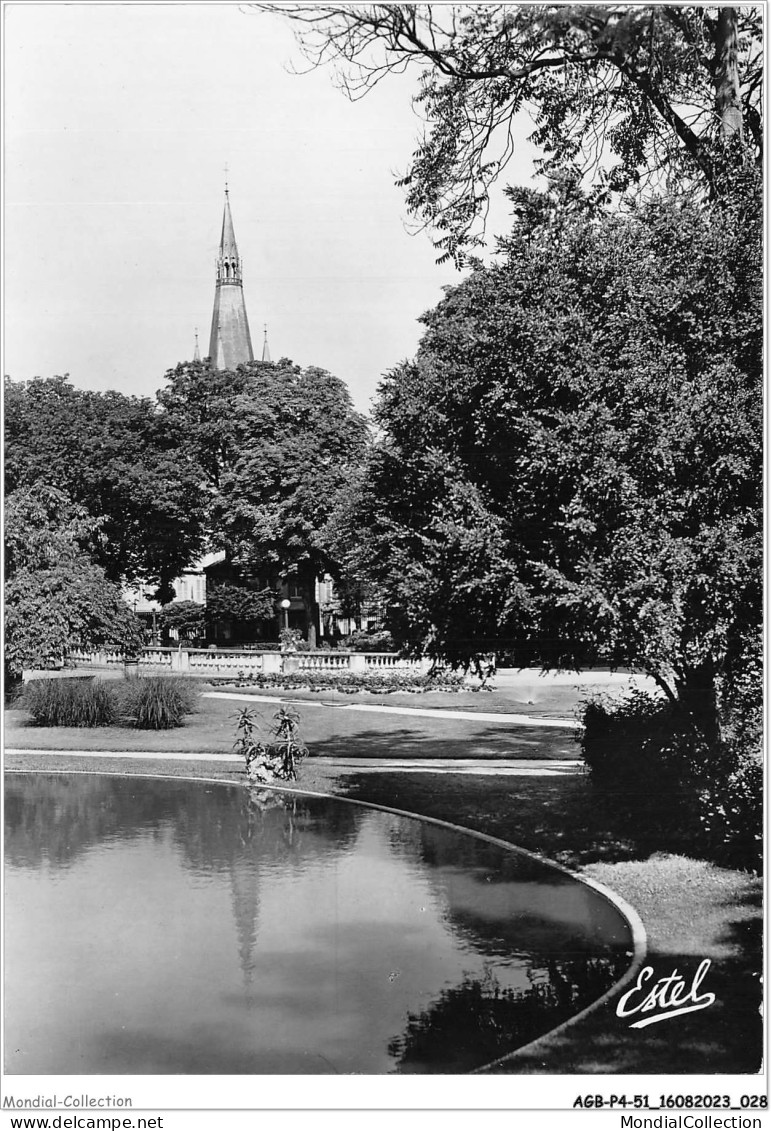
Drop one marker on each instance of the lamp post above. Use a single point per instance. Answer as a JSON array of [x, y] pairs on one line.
[[289, 661]]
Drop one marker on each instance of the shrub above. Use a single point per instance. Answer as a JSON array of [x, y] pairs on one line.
[[375, 641], [731, 814], [638, 741], [669, 783], [157, 702], [70, 702], [145, 702]]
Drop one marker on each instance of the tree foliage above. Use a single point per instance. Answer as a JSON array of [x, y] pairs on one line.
[[185, 617], [571, 467], [629, 93], [235, 602], [275, 444], [116, 457], [56, 597]]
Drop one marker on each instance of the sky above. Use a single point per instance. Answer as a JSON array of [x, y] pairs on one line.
[[120, 120]]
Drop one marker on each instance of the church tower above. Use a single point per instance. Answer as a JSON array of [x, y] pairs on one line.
[[230, 343]]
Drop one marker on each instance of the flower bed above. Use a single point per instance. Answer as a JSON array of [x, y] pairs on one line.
[[350, 682]]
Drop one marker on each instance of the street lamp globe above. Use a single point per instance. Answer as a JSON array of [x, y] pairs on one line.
[[285, 606]]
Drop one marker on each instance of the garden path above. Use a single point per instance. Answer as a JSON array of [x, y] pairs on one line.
[[484, 767], [422, 712]]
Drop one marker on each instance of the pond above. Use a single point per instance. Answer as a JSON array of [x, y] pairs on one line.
[[168, 926]]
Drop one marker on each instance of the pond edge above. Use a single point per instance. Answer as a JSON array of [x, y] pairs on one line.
[[625, 909]]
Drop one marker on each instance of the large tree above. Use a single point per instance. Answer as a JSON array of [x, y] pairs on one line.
[[571, 467], [275, 444], [56, 597], [630, 93], [117, 457]]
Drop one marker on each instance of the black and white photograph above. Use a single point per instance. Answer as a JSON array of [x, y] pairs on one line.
[[383, 446]]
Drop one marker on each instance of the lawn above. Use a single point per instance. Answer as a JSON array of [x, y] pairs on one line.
[[328, 730], [691, 908]]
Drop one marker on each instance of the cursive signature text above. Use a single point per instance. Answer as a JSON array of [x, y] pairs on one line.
[[670, 996]]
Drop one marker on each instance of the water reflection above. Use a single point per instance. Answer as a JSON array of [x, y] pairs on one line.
[[172, 927], [480, 1020]]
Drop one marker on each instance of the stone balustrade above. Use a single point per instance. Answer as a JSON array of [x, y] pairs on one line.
[[323, 661], [235, 661], [391, 660], [156, 657]]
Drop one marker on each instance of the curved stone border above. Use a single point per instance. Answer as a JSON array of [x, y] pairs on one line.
[[625, 910]]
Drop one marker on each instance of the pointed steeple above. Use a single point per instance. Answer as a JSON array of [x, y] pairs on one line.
[[196, 351], [230, 343], [265, 347], [228, 238]]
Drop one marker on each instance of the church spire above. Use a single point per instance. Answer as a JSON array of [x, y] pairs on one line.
[[265, 347], [196, 351], [228, 249], [230, 343]]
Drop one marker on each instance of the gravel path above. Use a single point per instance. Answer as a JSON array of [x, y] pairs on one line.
[[499, 768], [420, 712]]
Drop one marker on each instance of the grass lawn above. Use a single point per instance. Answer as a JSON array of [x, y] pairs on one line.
[[329, 732], [691, 908]]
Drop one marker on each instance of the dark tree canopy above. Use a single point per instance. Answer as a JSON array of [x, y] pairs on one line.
[[56, 597], [116, 456], [631, 94], [571, 467], [236, 602], [275, 444], [185, 617]]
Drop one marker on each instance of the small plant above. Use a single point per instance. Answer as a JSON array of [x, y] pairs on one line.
[[157, 702], [246, 744], [276, 758], [291, 640], [287, 745], [70, 702]]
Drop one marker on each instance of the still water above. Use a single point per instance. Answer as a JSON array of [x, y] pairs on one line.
[[162, 926]]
